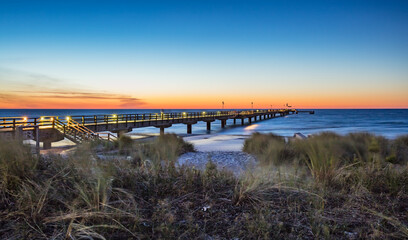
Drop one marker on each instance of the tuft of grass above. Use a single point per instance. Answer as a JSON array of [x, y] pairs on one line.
[[17, 163], [399, 149], [322, 157], [125, 143], [269, 149], [165, 150]]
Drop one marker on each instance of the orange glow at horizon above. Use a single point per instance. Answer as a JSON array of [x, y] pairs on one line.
[[313, 101]]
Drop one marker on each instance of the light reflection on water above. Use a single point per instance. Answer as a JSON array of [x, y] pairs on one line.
[[251, 127]]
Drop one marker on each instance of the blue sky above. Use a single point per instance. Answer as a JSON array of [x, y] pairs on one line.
[[154, 50]]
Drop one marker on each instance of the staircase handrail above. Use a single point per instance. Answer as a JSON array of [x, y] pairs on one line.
[[80, 127], [110, 136]]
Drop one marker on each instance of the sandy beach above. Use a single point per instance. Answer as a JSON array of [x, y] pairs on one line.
[[217, 142]]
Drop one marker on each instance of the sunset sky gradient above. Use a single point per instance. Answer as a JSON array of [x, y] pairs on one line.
[[196, 54]]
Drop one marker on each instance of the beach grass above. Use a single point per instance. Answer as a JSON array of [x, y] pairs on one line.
[[325, 187]]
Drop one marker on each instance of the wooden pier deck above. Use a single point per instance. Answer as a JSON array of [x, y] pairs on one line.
[[49, 129]]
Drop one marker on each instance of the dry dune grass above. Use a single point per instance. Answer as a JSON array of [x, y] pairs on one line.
[[329, 186]]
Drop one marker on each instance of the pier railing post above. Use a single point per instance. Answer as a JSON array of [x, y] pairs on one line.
[[37, 139]]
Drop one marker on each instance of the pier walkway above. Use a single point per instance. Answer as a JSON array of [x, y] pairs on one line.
[[48, 129]]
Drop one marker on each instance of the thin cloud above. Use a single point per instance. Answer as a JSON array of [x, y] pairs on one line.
[[30, 99], [19, 90], [27, 78], [4, 97], [130, 103], [80, 95]]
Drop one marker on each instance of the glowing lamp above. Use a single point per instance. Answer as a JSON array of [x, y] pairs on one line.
[[68, 118], [24, 119], [41, 118]]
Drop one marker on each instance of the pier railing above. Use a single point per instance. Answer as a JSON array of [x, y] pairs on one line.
[[11, 123]]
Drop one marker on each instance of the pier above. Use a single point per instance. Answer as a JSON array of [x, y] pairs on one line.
[[48, 129]]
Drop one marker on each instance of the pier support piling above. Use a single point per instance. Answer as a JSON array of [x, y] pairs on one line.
[[162, 127], [189, 129], [208, 126], [223, 123], [242, 121]]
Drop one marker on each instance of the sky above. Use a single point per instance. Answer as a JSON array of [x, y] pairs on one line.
[[197, 54]]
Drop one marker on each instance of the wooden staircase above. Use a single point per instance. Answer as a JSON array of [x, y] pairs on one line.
[[78, 133]]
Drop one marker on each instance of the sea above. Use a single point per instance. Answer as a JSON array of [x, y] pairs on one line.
[[389, 123]]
